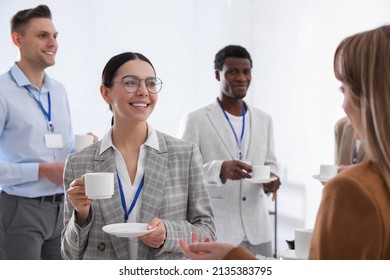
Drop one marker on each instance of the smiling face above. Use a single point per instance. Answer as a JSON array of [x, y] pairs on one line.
[[37, 43], [131, 107], [235, 77]]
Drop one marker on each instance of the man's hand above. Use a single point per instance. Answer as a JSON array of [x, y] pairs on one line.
[[53, 171], [272, 186], [235, 170]]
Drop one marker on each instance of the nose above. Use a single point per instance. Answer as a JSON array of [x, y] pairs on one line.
[[52, 41], [242, 76], [142, 90]]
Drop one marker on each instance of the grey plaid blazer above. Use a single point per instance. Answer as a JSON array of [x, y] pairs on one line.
[[174, 190]]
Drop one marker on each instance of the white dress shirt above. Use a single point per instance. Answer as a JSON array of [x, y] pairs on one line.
[[130, 189]]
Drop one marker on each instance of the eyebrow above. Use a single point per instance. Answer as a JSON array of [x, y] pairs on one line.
[[129, 75], [46, 32]]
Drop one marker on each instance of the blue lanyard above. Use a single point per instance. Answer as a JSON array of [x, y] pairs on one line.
[[123, 199], [355, 154], [46, 113], [239, 142]]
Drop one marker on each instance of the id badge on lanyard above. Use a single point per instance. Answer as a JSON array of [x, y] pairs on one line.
[[53, 141]]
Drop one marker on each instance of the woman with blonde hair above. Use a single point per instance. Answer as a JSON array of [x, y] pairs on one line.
[[353, 221]]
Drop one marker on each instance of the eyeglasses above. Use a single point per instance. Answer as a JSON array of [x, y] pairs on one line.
[[132, 83]]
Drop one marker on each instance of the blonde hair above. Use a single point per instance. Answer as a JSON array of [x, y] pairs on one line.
[[362, 61]]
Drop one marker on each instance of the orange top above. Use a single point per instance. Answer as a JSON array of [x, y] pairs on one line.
[[353, 221], [239, 253]]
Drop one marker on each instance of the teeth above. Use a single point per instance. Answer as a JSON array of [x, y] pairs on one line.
[[139, 104], [50, 53]]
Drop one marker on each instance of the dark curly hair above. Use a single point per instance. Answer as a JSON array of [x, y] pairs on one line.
[[230, 51]]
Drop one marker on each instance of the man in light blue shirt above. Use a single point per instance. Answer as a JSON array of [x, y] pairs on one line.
[[35, 138]]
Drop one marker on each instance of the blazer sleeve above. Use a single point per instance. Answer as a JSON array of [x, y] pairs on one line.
[[200, 216], [74, 238], [270, 156]]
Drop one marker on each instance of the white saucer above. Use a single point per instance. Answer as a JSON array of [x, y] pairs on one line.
[[318, 177], [260, 181], [127, 229]]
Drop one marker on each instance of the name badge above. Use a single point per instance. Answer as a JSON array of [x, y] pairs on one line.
[[54, 141]]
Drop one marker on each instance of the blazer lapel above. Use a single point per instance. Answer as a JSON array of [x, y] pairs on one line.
[[111, 209], [254, 134], [225, 133], [156, 168]]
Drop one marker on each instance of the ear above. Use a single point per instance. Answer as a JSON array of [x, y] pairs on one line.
[[105, 94], [217, 75], [16, 39]]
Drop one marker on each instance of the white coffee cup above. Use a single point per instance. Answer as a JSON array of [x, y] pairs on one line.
[[99, 185], [82, 140], [328, 171], [261, 172], [302, 242]]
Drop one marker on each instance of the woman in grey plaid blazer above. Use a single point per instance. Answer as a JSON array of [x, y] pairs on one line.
[[168, 171]]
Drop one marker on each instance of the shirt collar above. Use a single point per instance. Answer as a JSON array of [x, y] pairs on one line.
[[151, 141], [22, 81]]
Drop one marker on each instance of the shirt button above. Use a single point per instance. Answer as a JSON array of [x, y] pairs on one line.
[[244, 198], [74, 237], [101, 247]]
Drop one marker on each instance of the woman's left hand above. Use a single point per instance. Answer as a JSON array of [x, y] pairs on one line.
[[156, 238]]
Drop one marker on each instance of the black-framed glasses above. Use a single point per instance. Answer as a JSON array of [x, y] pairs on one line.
[[132, 83]]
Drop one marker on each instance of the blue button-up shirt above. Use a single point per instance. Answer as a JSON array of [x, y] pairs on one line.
[[22, 129]]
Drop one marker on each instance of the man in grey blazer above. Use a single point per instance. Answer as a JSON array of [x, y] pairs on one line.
[[232, 137]]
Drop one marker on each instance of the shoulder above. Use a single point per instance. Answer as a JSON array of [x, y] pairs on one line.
[[4, 77], [195, 120], [87, 154], [54, 85], [176, 147], [200, 112], [341, 123], [171, 142], [6, 84], [239, 253], [50, 80], [363, 179], [258, 113]]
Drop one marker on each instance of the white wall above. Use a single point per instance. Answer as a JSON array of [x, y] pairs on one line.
[[292, 44]]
